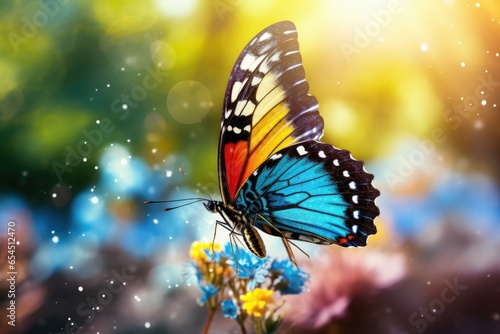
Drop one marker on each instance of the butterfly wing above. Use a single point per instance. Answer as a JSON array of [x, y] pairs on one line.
[[314, 192], [266, 108]]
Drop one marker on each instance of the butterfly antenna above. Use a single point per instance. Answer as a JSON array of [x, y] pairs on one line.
[[189, 200], [196, 186]]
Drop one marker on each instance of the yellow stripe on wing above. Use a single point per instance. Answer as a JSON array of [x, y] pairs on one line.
[[270, 135]]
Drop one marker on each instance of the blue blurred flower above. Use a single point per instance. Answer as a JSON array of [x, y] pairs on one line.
[[229, 309], [291, 280], [249, 266], [207, 292]]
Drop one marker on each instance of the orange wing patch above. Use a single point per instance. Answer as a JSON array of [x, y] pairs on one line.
[[235, 155], [271, 134]]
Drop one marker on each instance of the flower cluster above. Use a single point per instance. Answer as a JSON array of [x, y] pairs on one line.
[[242, 286]]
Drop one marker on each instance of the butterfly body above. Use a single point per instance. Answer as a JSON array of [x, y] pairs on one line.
[[274, 172], [239, 223]]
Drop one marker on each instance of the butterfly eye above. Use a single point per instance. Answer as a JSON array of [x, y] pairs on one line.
[[210, 205]]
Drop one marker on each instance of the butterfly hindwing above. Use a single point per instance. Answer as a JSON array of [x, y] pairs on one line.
[[266, 108], [314, 192]]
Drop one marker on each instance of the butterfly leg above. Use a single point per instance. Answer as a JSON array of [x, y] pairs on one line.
[[233, 237], [285, 240]]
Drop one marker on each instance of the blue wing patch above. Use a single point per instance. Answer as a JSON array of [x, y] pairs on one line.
[[314, 192]]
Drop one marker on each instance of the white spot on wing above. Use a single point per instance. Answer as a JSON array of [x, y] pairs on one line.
[[239, 107], [255, 80], [301, 150], [237, 130], [321, 154], [265, 36], [247, 128], [352, 185], [336, 162], [256, 63], [291, 52], [276, 156], [228, 113], [346, 173], [236, 90], [249, 108], [355, 228], [355, 214], [355, 199], [265, 67], [248, 60]]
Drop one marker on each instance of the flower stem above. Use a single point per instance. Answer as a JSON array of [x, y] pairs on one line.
[[209, 321], [242, 327]]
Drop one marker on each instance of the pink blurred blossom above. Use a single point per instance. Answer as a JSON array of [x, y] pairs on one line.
[[336, 277]]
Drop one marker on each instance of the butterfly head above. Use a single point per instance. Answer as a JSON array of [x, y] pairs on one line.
[[212, 206]]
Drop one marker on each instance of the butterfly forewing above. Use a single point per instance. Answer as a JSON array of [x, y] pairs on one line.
[[266, 108]]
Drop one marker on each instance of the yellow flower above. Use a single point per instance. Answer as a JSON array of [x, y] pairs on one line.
[[255, 302], [198, 249]]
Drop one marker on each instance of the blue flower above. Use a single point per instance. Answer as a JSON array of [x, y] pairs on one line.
[[229, 309], [207, 292], [249, 266], [216, 256], [291, 281]]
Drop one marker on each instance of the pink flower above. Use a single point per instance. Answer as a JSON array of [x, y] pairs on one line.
[[336, 277]]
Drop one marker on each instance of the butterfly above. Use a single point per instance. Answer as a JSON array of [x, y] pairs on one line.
[[275, 175]]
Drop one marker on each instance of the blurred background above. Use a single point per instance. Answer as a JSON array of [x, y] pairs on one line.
[[105, 104]]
